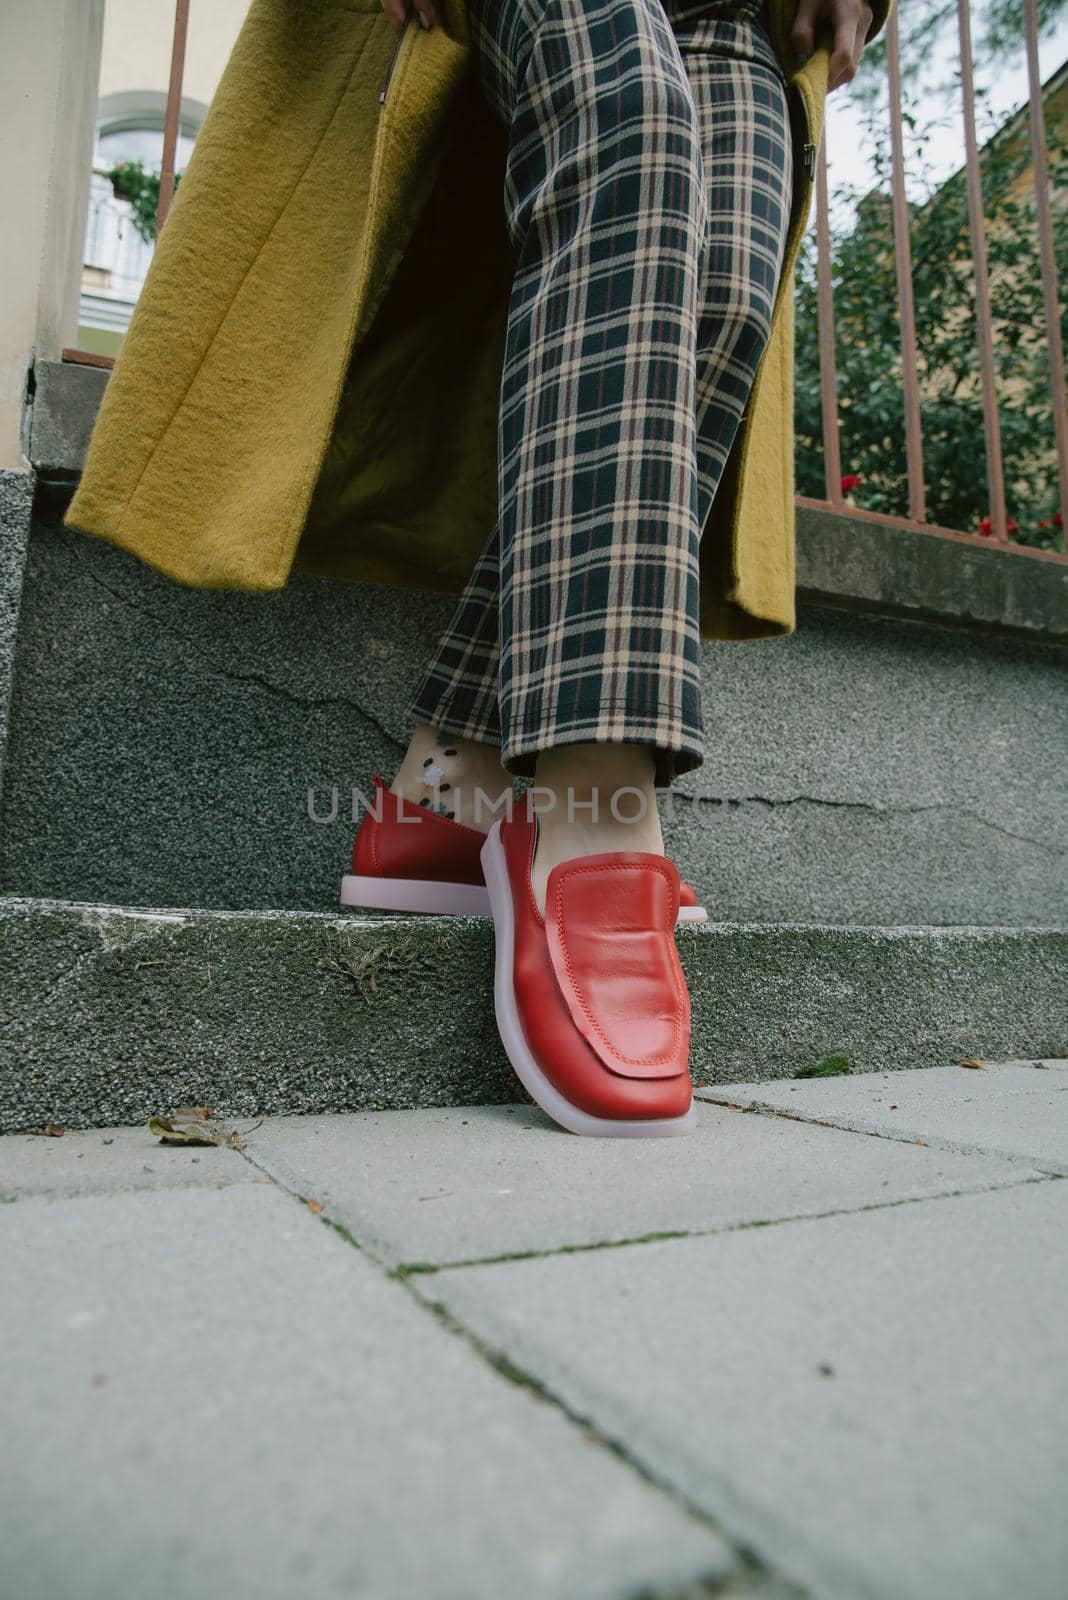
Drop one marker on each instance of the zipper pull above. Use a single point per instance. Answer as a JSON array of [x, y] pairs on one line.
[[809, 156], [392, 63]]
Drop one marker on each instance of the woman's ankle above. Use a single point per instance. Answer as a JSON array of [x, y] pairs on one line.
[[458, 778], [591, 799]]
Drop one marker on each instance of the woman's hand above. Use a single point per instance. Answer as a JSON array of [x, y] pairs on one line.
[[850, 20], [398, 12]]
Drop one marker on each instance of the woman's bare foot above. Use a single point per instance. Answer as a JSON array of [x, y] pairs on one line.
[[446, 774], [593, 798]]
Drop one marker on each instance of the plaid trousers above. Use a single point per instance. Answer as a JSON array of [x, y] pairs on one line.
[[647, 192]]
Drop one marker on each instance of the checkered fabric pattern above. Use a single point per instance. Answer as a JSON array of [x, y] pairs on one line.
[[647, 192]]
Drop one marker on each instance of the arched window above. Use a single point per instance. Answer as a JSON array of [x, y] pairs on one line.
[[130, 128], [117, 251]]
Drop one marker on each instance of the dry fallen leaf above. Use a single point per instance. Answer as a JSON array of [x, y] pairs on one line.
[[191, 1114], [981, 1065], [51, 1130], [315, 1205], [190, 1133]]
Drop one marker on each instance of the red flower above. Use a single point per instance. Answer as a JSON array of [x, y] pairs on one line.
[[1058, 520], [986, 527], [850, 481]]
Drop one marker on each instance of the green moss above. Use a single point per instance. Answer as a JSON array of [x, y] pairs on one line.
[[829, 1067]]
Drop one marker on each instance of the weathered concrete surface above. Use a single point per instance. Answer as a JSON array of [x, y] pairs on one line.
[[1007, 1110], [478, 1182], [16, 504], [876, 1400], [841, 560], [869, 1398], [861, 771], [65, 403], [112, 1161], [111, 1015], [890, 571], [212, 1393]]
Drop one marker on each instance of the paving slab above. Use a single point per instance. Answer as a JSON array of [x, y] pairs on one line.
[[1015, 1110], [458, 1184], [112, 1161], [878, 1399], [211, 1393]]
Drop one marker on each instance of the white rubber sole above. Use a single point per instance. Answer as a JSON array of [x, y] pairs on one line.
[[440, 899], [416, 894], [530, 1075]]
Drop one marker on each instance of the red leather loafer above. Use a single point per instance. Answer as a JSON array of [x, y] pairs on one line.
[[408, 858], [591, 1002]]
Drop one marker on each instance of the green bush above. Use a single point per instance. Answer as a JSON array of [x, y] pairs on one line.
[[140, 186]]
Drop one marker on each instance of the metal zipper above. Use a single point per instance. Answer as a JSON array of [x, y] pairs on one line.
[[392, 62], [809, 157]]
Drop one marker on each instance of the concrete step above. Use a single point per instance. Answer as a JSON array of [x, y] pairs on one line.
[[111, 1014], [164, 741]]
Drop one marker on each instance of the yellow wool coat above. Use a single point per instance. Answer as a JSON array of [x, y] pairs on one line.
[[310, 380]]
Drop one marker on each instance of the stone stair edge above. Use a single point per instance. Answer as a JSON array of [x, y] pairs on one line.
[[11, 903]]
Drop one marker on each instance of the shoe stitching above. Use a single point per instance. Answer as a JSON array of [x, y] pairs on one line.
[[375, 857]]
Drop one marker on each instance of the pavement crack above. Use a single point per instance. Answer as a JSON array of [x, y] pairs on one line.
[[305, 701], [751, 1566], [775, 803], [903, 1136], [427, 1269], [751, 1571], [411, 1269]]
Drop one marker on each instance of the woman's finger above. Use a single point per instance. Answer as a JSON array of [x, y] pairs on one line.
[[397, 13], [848, 43], [803, 32], [849, 21]]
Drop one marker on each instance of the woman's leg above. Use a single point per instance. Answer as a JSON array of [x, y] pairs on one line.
[[454, 709], [649, 206], [595, 554], [743, 118]]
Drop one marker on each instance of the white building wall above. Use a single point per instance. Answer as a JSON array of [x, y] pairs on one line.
[[137, 45]]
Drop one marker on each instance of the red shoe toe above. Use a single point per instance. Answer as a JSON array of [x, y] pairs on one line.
[[591, 1001]]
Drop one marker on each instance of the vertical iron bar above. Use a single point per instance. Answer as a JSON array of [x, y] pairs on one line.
[[832, 457], [1040, 168], [903, 264], [984, 333], [174, 110]]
